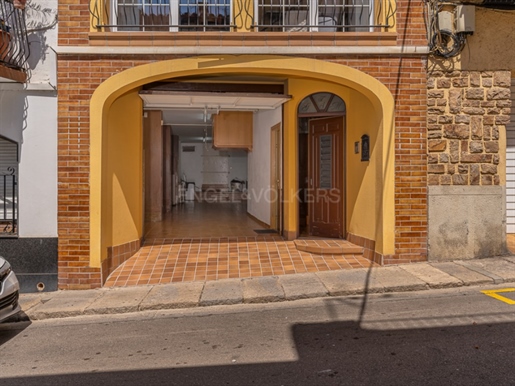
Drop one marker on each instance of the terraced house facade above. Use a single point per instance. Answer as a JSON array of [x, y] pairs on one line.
[[324, 100]]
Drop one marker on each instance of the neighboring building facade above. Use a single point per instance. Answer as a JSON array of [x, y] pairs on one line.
[[470, 133], [28, 142]]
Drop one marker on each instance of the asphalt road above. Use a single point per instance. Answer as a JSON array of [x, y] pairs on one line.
[[458, 337]]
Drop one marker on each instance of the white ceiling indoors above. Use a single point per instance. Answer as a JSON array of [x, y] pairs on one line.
[[190, 113]]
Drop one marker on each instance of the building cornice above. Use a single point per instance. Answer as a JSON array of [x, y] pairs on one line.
[[239, 50]]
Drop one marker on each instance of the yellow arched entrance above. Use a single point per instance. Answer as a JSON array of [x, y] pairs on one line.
[[372, 198]]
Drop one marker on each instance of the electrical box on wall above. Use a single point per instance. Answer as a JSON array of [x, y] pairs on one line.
[[445, 21], [465, 18]]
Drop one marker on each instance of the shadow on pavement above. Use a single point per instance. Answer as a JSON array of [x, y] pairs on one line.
[[343, 353], [12, 327]]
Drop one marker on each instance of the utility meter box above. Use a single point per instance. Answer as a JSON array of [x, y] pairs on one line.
[[445, 21], [465, 18]]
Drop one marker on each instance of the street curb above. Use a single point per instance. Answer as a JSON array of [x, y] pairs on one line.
[[401, 278]]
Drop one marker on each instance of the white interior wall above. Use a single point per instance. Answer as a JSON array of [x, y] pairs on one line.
[[215, 166], [258, 204], [238, 165], [191, 163], [209, 166]]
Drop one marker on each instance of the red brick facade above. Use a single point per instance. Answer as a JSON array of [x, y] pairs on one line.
[[80, 75]]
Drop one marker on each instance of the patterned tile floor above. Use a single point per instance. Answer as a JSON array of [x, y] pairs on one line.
[[171, 254]]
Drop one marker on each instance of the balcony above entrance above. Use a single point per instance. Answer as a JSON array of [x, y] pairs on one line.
[[13, 41], [264, 16]]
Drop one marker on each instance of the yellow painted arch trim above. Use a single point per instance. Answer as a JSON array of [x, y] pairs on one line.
[[118, 84]]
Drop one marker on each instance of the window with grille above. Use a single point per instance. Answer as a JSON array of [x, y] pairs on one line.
[[172, 15], [8, 188], [314, 15]]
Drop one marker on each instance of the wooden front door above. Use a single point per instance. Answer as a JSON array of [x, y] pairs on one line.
[[275, 179], [326, 199]]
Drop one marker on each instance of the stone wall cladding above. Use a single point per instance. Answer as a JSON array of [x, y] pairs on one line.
[[466, 110]]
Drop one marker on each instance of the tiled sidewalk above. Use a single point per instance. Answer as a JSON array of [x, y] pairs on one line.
[[163, 261]]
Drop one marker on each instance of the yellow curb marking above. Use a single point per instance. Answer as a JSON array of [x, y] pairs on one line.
[[495, 294]]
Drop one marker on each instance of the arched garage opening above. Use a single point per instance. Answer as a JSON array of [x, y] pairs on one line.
[[116, 203]]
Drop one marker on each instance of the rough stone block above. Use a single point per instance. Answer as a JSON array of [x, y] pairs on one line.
[[502, 78], [443, 83], [457, 131], [460, 82], [435, 94], [491, 146], [488, 169], [487, 82], [436, 168], [474, 110], [455, 101], [475, 93], [460, 179], [475, 79], [462, 119], [476, 146], [502, 119], [496, 93], [444, 158], [436, 145]]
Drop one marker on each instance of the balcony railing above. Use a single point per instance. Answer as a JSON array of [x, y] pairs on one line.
[[8, 204], [14, 46], [236, 15]]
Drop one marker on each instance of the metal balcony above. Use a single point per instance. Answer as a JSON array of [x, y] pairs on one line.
[[14, 46], [236, 15]]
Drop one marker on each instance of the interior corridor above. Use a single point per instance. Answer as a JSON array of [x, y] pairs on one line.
[[194, 219]]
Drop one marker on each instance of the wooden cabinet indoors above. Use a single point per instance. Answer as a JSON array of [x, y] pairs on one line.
[[233, 130]]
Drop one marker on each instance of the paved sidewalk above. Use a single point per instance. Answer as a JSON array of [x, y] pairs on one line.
[[408, 277]]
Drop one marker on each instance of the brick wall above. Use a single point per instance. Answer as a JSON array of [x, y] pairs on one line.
[[79, 76], [466, 112]]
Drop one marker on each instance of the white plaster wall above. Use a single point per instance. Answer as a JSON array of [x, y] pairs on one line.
[[38, 168], [30, 119], [28, 116], [258, 204], [238, 165], [191, 163], [41, 18], [215, 166]]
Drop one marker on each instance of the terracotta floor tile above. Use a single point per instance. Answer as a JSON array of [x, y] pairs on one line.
[[171, 254]]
